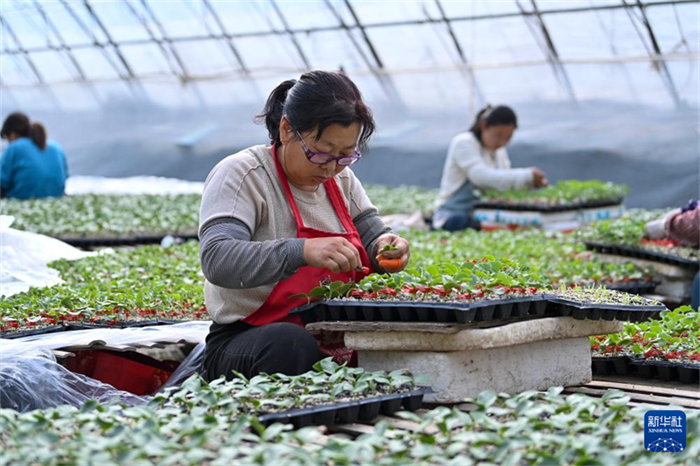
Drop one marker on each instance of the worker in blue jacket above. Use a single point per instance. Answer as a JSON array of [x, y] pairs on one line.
[[32, 166]]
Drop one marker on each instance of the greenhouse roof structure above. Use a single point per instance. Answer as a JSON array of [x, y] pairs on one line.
[[547, 43]]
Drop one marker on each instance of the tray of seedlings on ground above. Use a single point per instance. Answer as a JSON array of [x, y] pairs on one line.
[[668, 348], [556, 257], [143, 286], [100, 219], [472, 291], [330, 393], [202, 425], [626, 237], [562, 196]]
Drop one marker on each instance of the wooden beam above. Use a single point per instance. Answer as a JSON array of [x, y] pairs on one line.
[[649, 389], [686, 403]]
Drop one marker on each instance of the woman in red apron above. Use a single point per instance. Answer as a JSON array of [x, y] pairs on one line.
[[277, 221]]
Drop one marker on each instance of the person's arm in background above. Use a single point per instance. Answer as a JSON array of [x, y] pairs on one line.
[[467, 156], [7, 163], [484, 177], [684, 228]]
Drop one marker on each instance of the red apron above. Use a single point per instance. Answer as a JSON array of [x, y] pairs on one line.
[[277, 306]]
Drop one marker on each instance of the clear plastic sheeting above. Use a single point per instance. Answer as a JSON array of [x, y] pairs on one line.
[[35, 380], [76, 185], [24, 257], [190, 365], [31, 378]]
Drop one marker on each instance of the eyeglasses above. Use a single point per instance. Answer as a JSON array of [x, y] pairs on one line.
[[321, 158]]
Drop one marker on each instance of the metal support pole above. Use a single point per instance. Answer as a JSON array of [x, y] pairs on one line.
[[291, 34], [658, 54], [111, 42], [229, 39], [180, 74], [61, 41], [23, 51], [460, 51], [369, 43]]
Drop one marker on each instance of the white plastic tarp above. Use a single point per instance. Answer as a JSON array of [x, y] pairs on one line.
[[24, 258], [131, 185]]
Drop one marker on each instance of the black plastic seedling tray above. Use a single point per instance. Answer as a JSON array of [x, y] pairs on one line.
[[563, 307], [547, 208], [351, 411], [394, 311], [89, 242], [86, 326], [465, 313], [648, 369], [631, 251]]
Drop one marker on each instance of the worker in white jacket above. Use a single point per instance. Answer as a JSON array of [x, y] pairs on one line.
[[477, 159]]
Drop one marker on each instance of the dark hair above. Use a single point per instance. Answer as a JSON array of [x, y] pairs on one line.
[[18, 123], [494, 116], [317, 100]]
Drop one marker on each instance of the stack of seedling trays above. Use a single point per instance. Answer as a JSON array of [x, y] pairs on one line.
[[693, 261], [555, 304]]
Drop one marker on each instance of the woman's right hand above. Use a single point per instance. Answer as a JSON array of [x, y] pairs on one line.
[[539, 179], [335, 254]]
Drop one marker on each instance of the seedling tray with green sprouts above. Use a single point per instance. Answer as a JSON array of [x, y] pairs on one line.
[[563, 196], [99, 218], [626, 237], [666, 348], [330, 393], [365, 409], [472, 291], [602, 303], [681, 256], [143, 286], [556, 257]]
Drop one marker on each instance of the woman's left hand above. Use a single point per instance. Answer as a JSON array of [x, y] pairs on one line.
[[402, 250]]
